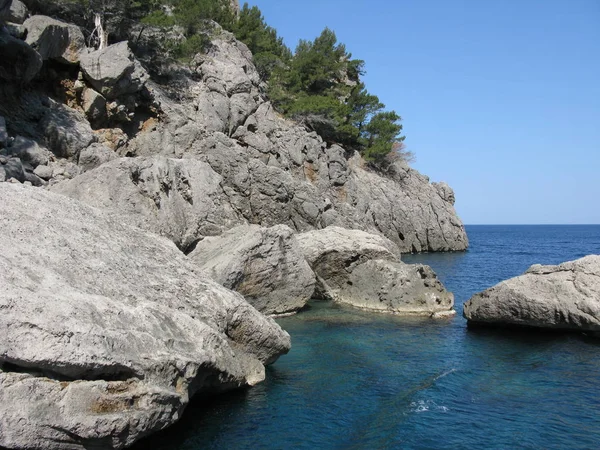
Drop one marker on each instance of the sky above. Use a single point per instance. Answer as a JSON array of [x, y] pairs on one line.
[[499, 98]]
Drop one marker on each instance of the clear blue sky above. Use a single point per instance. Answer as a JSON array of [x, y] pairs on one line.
[[499, 98]]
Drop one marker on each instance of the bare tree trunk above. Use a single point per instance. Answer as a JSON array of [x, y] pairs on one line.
[[99, 31]]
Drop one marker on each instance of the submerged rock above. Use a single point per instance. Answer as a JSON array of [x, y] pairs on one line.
[[265, 265], [562, 297], [364, 270], [107, 330]]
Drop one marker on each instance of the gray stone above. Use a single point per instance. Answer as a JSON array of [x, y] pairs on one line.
[[11, 167], [94, 156], [94, 107], [114, 71], [397, 288], [265, 265], [19, 63], [108, 331], [3, 133], [29, 151], [16, 30], [178, 198], [17, 12], [54, 39], [364, 270], [44, 172], [562, 297], [66, 130]]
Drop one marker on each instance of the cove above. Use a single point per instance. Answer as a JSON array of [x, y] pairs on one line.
[[361, 380]]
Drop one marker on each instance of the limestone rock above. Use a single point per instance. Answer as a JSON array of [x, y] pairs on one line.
[[44, 172], [19, 63], [66, 130], [562, 297], [94, 107], [29, 151], [17, 12], [11, 167], [334, 248], [108, 331], [178, 198], [3, 133], [364, 270], [265, 265], [395, 287], [114, 71], [54, 39], [94, 156]]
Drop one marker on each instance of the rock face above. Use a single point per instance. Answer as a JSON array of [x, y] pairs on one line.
[[178, 198], [114, 71], [563, 297], [265, 265], [276, 172], [19, 63], [107, 331], [17, 12], [54, 39], [364, 270]]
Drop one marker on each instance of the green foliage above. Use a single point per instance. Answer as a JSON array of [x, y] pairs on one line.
[[158, 18], [268, 49], [381, 134], [192, 14], [319, 84]]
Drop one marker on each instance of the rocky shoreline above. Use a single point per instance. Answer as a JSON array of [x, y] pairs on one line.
[[152, 222]]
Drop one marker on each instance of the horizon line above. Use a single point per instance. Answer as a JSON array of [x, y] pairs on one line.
[[532, 224]]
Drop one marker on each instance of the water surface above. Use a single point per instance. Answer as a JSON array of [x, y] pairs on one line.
[[357, 380]]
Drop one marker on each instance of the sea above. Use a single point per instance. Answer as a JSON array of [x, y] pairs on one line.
[[358, 380]]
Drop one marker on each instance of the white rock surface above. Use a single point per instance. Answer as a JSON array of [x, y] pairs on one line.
[[364, 270], [563, 297], [107, 330], [265, 265], [54, 39]]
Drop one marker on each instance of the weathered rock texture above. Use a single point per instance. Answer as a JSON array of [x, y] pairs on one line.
[[272, 171], [54, 39], [178, 198], [364, 270], [265, 265], [563, 297], [107, 331], [113, 71]]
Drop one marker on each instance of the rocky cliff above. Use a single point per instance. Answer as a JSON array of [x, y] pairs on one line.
[[203, 142], [184, 183]]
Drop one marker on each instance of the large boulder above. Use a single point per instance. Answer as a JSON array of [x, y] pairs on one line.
[[94, 156], [19, 63], [66, 130], [29, 151], [13, 11], [364, 270], [178, 198], [114, 71], [107, 330], [562, 297], [265, 265], [11, 167], [54, 39]]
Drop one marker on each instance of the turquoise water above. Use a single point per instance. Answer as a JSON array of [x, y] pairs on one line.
[[355, 380]]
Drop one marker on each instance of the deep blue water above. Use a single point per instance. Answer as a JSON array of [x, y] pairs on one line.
[[355, 380]]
